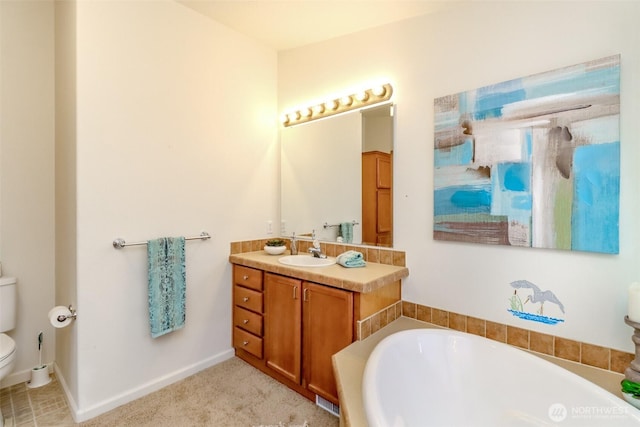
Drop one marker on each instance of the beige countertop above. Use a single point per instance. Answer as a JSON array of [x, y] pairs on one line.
[[362, 279], [349, 365]]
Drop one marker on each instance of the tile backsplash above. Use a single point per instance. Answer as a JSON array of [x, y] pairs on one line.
[[371, 253]]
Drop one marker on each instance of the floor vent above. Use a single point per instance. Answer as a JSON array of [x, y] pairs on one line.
[[328, 406]]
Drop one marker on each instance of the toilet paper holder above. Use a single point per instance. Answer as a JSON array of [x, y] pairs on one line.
[[73, 315]]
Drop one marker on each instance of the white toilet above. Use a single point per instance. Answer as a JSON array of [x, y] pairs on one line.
[[7, 322]]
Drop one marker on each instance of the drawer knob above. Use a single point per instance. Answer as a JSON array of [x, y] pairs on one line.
[[245, 321], [245, 277], [245, 299], [245, 342]]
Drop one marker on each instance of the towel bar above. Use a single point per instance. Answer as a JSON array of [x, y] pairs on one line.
[[120, 243], [326, 225]]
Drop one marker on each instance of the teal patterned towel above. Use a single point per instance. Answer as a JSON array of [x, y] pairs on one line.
[[167, 285], [346, 231], [351, 259]]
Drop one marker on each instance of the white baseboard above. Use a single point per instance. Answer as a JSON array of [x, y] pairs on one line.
[[71, 403], [84, 414]]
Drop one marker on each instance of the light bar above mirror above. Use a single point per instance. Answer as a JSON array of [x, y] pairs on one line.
[[362, 99]]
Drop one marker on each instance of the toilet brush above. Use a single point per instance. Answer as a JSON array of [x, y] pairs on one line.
[[39, 374], [40, 350]]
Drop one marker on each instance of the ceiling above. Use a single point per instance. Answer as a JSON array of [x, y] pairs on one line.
[[292, 23]]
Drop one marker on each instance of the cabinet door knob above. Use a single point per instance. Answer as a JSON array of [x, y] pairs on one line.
[[245, 299], [295, 292], [245, 342], [245, 321], [245, 277]]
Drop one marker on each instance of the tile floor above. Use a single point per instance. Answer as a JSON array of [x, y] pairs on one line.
[[35, 407]]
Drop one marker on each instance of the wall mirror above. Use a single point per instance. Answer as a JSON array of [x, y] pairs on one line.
[[339, 171]]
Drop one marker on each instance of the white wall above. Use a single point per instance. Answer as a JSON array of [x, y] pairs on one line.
[[165, 124], [175, 134], [66, 194], [27, 174], [469, 45], [378, 132]]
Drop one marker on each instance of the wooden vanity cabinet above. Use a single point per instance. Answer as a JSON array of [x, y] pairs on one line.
[[248, 310], [305, 324], [289, 322]]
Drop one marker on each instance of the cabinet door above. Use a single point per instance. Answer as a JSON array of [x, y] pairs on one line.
[[383, 206], [377, 198], [282, 320], [328, 328], [383, 171]]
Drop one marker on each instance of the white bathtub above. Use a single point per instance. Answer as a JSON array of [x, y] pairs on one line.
[[433, 377]]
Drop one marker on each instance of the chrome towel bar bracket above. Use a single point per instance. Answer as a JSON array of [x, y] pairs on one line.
[[120, 243]]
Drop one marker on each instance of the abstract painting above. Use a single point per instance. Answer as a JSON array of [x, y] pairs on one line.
[[533, 161]]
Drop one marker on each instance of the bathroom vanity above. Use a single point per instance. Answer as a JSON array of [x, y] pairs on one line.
[[289, 321]]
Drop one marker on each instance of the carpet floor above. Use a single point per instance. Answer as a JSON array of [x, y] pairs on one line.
[[232, 393]]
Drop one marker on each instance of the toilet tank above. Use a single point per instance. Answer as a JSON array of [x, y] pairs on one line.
[[8, 303]]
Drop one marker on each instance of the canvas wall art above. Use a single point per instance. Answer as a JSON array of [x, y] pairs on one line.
[[533, 161]]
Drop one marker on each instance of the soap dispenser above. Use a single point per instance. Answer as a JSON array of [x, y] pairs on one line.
[[294, 246]]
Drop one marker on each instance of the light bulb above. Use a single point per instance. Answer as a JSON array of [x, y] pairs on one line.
[[362, 96], [294, 116], [379, 91], [305, 112], [318, 109], [331, 105], [346, 101], [284, 119]]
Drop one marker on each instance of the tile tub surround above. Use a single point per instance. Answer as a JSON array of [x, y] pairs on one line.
[[349, 364], [562, 348]]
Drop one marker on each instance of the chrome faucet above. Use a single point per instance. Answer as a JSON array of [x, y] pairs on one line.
[[316, 250]]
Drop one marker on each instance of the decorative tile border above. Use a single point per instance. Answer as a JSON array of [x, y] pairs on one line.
[[378, 320], [563, 348], [371, 253]]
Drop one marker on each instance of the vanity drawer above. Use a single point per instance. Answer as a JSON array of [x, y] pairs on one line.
[[247, 320], [246, 298], [247, 277], [248, 342]]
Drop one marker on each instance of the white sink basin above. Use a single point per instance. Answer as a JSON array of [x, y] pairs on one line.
[[306, 261]]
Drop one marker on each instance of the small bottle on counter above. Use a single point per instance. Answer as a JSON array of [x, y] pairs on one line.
[[294, 246]]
